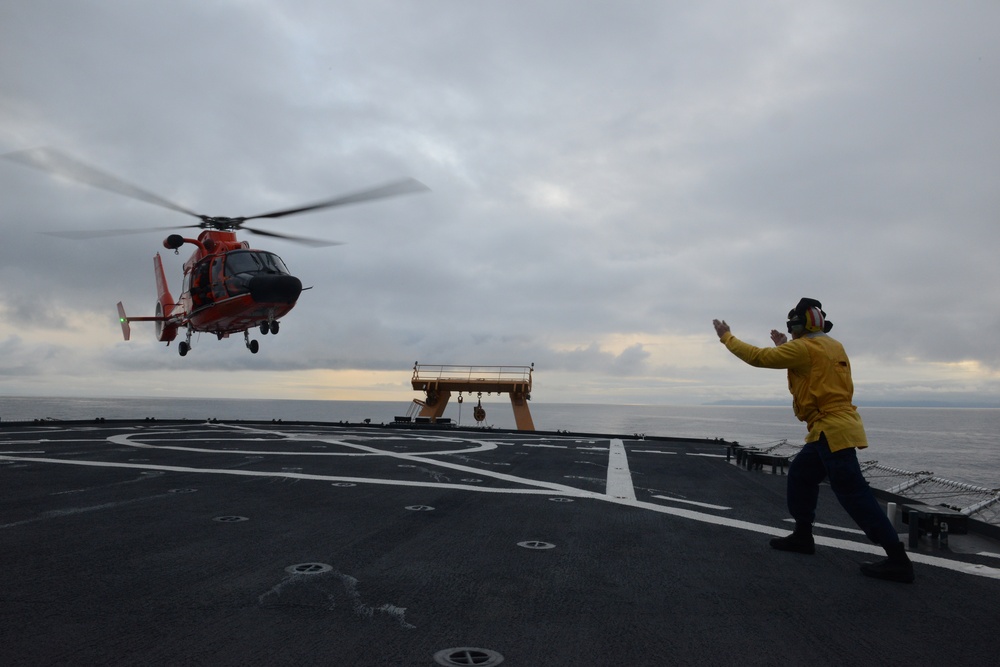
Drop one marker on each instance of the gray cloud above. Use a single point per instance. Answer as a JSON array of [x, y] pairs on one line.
[[605, 180]]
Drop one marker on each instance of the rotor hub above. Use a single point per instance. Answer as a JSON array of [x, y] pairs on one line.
[[220, 223]]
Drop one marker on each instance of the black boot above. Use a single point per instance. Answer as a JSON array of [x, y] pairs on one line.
[[800, 541], [897, 567]]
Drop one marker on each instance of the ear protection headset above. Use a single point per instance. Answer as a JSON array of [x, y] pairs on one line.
[[808, 314]]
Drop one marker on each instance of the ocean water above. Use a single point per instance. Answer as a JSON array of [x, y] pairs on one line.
[[955, 443]]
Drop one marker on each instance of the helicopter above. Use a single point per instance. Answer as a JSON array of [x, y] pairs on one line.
[[228, 287]]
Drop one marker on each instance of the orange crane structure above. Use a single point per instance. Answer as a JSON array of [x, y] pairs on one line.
[[439, 381]]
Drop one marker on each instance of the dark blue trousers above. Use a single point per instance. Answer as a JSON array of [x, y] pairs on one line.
[[815, 463]]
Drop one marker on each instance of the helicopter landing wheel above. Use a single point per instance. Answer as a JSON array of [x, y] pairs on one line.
[[274, 328], [183, 348], [264, 328], [252, 345]]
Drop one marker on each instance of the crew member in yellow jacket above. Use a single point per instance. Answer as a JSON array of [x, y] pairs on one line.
[[819, 378]]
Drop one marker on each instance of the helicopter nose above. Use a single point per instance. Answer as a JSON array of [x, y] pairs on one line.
[[275, 289]]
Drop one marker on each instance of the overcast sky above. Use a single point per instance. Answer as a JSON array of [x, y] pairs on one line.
[[606, 178]]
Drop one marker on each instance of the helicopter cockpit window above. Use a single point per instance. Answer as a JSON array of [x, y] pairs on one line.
[[272, 262], [241, 262], [254, 262]]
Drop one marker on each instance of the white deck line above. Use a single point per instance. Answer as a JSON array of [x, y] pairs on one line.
[[619, 476]]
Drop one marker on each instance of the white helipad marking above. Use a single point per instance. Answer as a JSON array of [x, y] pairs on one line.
[[540, 487], [619, 476], [59, 440], [651, 451], [847, 545], [534, 487], [831, 527], [693, 502], [363, 450]]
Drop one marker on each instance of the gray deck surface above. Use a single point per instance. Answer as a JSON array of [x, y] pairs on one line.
[[305, 544]]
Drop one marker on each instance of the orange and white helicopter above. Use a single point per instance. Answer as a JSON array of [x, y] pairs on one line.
[[228, 286]]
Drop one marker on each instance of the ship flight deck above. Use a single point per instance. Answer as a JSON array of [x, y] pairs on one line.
[[239, 543]]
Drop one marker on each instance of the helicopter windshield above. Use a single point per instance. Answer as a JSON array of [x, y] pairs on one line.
[[254, 261]]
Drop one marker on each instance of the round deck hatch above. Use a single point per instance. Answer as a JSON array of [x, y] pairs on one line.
[[535, 544], [309, 568], [467, 655]]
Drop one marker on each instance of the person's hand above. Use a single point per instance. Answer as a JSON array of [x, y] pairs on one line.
[[721, 327], [778, 337]]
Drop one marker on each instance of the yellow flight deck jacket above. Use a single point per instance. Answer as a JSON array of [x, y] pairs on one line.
[[819, 377]]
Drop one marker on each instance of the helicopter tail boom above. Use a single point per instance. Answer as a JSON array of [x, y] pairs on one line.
[[125, 319], [166, 324]]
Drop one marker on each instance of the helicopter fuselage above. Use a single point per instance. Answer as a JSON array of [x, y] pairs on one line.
[[228, 288]]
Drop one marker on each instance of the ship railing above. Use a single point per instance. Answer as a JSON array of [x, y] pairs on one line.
[[453, 373], [923, 486], [974, 501]]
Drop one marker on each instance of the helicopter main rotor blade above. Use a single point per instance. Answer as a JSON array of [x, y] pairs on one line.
[[105, 233], [403, 187], [316, 243], [54, 162]]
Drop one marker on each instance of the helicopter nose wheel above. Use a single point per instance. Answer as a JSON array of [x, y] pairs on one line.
[[269, 327], [252, 345]]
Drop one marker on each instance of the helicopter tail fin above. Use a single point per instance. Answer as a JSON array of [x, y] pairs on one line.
[[123, 318], [166, 328], [166, 324], [163, 296]]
